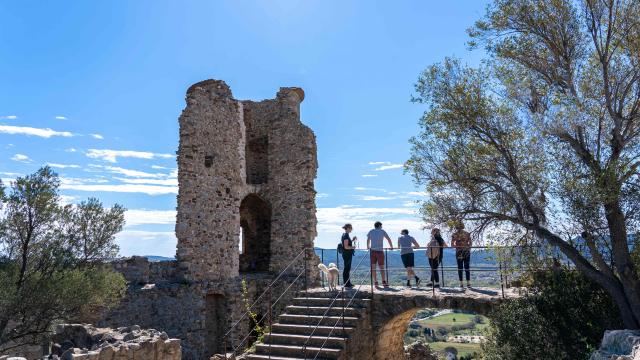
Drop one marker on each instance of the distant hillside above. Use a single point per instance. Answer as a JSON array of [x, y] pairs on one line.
[[156, 258]]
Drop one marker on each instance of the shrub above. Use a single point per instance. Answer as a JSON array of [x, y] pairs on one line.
[[564, 318]]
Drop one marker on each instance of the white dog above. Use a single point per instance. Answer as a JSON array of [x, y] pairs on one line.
[[331, 273]]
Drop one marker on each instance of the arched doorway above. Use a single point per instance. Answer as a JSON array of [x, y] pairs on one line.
[[255, 242]]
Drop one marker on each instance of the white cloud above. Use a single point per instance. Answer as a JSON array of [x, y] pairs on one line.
[[71, 150], [374, 198], [8, 117], [378, 162], [361, 188], [12, 174], [388, 167], [113, 155], [61, 117], [21, 158], [165, 182], [158, 167], [321, 195], [31, 131], [330, 221], [123, 188], [162, 243], [144, 217], [369, 175], [97, 136], [129, 172], [63, 166]]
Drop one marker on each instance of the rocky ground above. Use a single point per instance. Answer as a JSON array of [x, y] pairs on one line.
[[82, 341]]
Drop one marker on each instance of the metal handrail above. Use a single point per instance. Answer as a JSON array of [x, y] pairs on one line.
[[342, 315], [304, 347], [267, 290], [265, 315]]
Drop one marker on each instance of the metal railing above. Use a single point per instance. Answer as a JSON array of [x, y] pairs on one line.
[[503, 268], [268, 292], [340, 294]]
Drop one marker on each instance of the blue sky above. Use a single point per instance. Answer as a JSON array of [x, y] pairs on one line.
[[95, 90]]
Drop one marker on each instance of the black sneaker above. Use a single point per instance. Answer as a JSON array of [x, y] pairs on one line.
[[408, 283], [348, 285], [417, 281], [436, 285], [429, 284]]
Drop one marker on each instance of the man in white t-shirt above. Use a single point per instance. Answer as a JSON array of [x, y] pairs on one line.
[[375, 242]]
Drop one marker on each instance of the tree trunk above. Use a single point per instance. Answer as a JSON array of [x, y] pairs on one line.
[[623, 264], [615, 286]]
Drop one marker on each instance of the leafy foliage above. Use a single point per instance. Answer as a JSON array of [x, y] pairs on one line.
[[542, 141], [563, 318], [52, 258]]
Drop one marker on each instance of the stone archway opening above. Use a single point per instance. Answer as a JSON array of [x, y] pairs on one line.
[[255, 242], [392, 335]]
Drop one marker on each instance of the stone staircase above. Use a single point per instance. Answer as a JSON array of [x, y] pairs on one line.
[[299, 320]]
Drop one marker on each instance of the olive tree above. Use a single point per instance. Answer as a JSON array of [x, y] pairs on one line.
[[52, 258], [542, 139]]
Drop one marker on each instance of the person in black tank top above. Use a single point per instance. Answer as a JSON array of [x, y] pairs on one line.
[[347, 254]]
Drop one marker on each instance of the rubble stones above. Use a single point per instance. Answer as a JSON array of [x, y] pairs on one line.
[[89, 342], [619, 345]]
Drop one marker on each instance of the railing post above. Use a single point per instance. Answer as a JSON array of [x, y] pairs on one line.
[[322, 261], [270, 318], [442, 264], [306, 281], [343, 311], [338, 264], [224, 347], [370, 273], [501, 282], [386, 266]]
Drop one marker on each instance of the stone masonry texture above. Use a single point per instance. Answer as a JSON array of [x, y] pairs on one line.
[[246, 209]]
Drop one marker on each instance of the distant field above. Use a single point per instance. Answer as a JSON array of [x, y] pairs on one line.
[[463, 349], [447, 320], [444, 325]]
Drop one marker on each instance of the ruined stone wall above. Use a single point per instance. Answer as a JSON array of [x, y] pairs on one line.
[[211, 178], [229, 151], [139, 270], [174, 308]]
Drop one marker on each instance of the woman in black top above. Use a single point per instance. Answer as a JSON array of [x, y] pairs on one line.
[[347, 254]]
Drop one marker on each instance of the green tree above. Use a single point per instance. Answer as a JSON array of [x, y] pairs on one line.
[[563, 318], [52, 258], [543, 139]]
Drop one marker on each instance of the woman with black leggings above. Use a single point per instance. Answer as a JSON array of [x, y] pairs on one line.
[[347, 254], [461, 241]]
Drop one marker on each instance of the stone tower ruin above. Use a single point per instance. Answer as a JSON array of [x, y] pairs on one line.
[[246, 199], [246, 208]]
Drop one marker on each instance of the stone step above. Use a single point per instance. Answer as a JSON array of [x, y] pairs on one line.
[[308, 329], [272, 357], [314, 319], [322, 310], [324, 301], [333, 342], [333, 294], [297, 351]]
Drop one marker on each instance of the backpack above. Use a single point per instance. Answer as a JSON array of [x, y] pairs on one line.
[[340, 248]]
